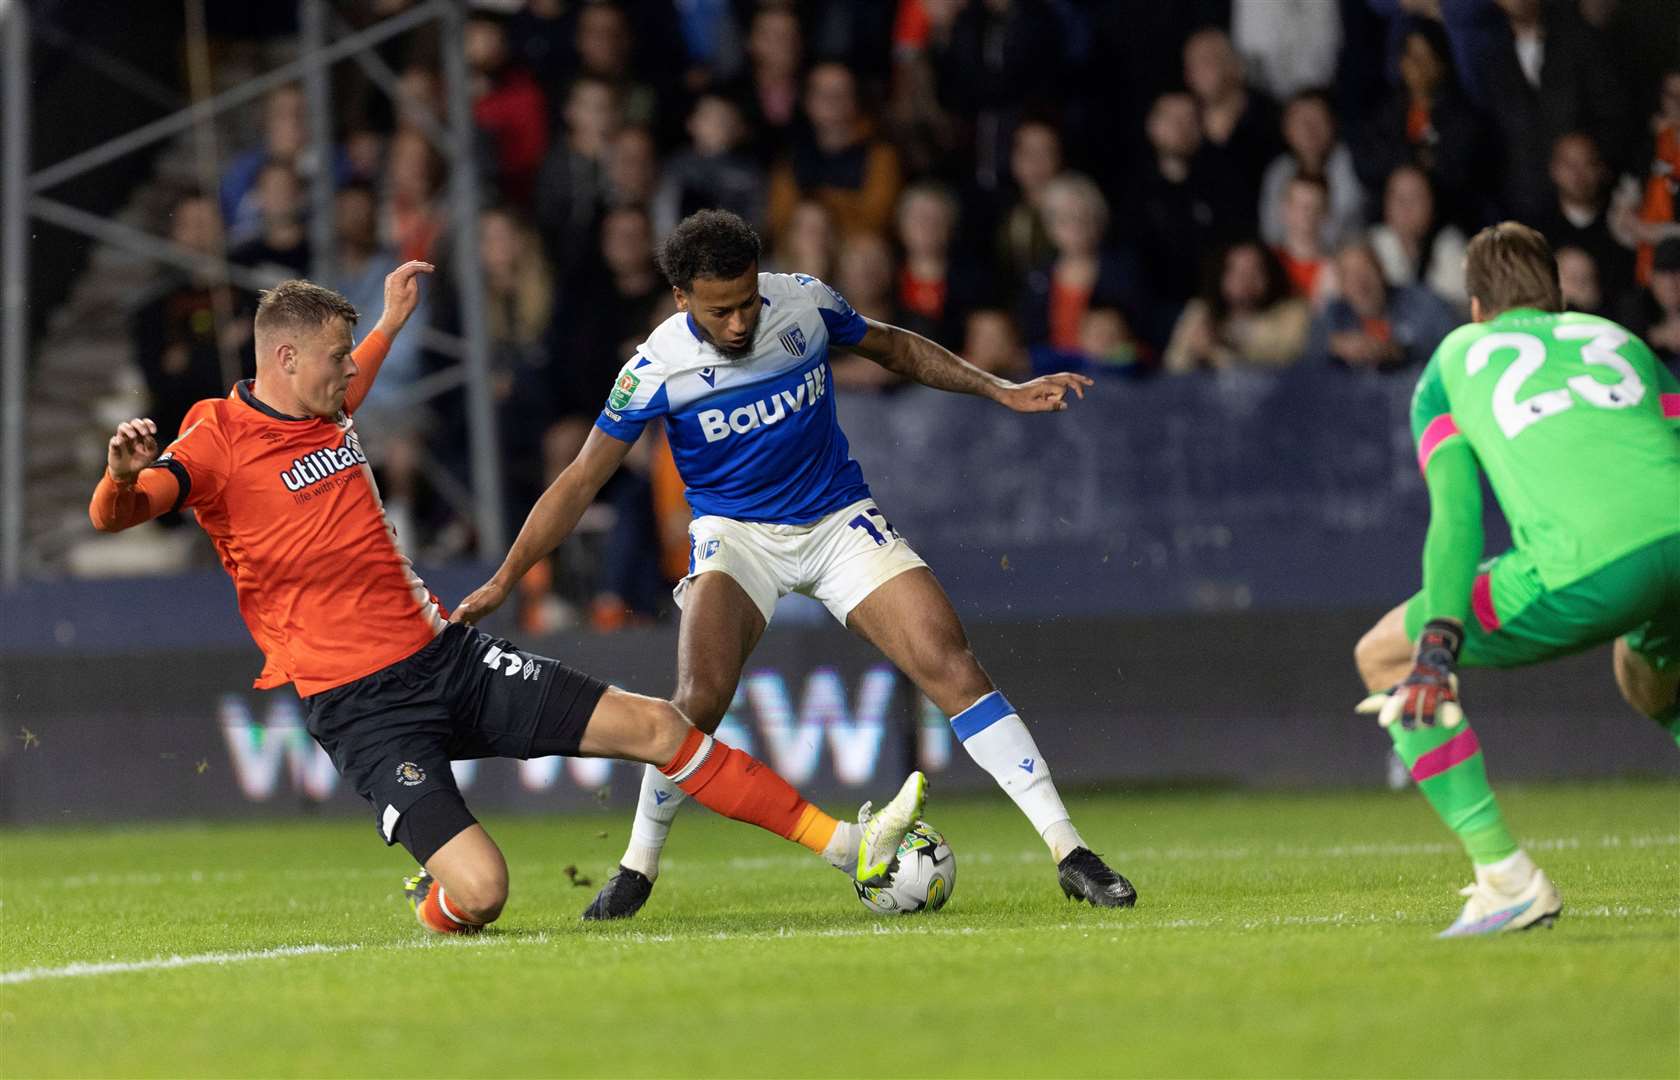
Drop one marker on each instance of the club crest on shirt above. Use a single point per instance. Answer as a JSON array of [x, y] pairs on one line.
[[794, 341], [410, 774]]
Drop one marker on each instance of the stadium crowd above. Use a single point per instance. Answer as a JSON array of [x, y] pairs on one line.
[[1132, 190]]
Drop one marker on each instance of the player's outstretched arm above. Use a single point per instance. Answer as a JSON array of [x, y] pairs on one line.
[[1452, 549], [931, 364], [128, 493], [551, 520], [402, 296]]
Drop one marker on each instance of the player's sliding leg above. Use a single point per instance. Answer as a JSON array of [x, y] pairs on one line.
[[739, 786], [910, 619], [464, 884], [720, 627], [1447, 764], [1653, 690]]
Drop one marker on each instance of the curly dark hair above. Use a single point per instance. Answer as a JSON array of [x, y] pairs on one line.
[[708, 244]]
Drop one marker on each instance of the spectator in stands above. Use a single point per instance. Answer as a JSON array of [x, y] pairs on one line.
[[420, 94], [413, 216], [770, 91], [1083, 274], [508, 107], [519, 298], [604, 45], [808, 244], [1579, 213], [1240, 125], [1309, 131], [1653, 312], [1579, 281], [281, 247], [992, 343], [933, 292], [1372, 327], [181, 336], [713, 48], [924, 130], [1106, 345], [1245, 316], [571, 189], [715, 171], [285, 142], [1413, 246], [1287, 46], [1306, 208], [1182, 204], [1657, 216], [359, 268], [1428, 122], [1553, 77], [1035, 159], [610, 302], [632, 173], [542, 34], [839, 161], [865, 278], [1001, 57]]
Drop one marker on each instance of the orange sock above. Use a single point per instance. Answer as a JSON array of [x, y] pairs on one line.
[[739, 786], [438, 915]]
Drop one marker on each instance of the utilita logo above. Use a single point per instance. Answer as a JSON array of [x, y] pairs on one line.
[[325, 463], [762, 413]]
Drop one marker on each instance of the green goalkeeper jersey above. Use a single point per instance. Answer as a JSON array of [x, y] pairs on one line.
[[1572, 419]]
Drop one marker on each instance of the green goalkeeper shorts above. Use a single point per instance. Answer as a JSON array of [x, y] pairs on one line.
[[1515, 620]]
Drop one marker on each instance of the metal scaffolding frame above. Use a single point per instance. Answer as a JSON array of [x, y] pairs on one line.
[[23, 199]]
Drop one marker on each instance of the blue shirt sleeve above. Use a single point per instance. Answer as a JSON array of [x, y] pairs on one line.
[[845, 326], [638, 396]]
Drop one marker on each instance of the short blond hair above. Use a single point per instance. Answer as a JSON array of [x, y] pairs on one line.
[[301, 305], [1510, 265]]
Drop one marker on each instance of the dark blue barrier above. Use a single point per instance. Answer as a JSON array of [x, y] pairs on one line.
[[1242, 490]]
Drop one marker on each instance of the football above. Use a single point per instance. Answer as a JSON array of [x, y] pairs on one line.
[[926, 876]]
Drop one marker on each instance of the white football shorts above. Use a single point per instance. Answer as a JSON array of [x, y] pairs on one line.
[[838, 559]]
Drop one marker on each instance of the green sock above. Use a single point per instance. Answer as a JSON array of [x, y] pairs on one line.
[[1449, 770]]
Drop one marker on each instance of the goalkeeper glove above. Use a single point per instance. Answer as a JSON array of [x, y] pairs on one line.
[[1429, 695]]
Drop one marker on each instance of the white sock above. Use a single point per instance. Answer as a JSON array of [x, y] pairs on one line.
[[656, 808], [842, 849], [1509, 873], [998, 742]]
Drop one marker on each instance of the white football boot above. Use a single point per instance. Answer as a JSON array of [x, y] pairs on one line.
[[884, 830], [1509, 898]]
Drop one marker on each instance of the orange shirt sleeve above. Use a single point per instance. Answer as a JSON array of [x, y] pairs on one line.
[[190, 472], [368, 356], [116, 507]]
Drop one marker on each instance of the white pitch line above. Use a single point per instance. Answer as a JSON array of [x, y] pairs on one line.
[[900, 928], [163, 963]]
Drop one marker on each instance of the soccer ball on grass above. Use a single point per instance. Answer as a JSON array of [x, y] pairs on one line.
[[926, 875]]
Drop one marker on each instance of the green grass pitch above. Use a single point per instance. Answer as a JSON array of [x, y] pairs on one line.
[[1277, 935]]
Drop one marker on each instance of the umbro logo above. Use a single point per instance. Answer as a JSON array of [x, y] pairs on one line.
[[1027, 765]]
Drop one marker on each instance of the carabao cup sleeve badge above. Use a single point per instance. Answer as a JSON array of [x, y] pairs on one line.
[[624, 389]]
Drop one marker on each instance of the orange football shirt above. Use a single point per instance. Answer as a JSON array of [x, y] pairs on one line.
[[291, 506]]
